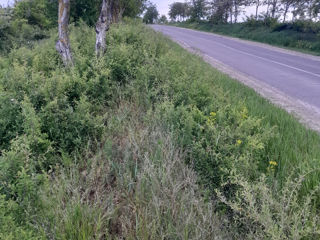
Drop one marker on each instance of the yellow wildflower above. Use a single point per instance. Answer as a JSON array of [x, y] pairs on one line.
[[239, 142], [273, 163], [213, 114], [244, 113]]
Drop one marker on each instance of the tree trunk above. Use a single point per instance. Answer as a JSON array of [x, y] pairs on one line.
[[103, 26], [117, 12], [274, 8], [257, 8], [63, 44], [268, 8], [236, 12], [285, 12]]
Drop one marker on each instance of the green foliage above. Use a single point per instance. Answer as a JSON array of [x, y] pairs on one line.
[[16, 32], [87, 11], [220, 141], [9, 229], [12, 123], [178, 9], [151, 15], [99, 150], [35, 12], [198, 10], [133, 8], [163, 19], [275, 216]]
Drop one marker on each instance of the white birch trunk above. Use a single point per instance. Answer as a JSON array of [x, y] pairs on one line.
[[63, 44], [102, 26]]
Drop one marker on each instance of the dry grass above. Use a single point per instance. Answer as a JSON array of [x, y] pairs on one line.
[[136, 187]]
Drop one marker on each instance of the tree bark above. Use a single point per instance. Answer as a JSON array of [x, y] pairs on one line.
[[285, 12], [103, 26], [117, 11], [274, 8], [268, 8], [236, 12], [63, 44], [257, 8]]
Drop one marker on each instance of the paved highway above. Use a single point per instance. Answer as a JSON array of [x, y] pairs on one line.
[[296, 75]]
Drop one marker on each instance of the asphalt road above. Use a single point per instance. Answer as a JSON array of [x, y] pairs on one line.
[[296, 75]]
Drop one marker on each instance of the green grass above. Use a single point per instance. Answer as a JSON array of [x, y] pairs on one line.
[[279, 35], [148, 142]]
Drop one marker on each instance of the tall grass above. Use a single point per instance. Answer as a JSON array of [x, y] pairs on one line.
[[136, 186]]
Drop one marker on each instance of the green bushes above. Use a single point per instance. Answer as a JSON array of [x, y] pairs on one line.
[[15, 34], [221, 141], [103, 147]]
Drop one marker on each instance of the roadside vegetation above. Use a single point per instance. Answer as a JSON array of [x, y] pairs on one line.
[[287, 23], [146, 141]]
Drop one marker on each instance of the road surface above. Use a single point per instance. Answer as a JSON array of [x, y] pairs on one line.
[[291, 75]]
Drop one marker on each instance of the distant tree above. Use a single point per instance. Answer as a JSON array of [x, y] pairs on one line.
[[316, 8], [178, 10], [133, 8], [163, 19], [256, 4], [287, 4], [151, 14], [274, 7], [219, 11], [198, 9], [237, 8]]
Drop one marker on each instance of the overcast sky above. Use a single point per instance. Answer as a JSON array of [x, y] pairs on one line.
[[5, 2], [163, 5]]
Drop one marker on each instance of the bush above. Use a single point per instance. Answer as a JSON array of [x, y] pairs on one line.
[[275, 216]]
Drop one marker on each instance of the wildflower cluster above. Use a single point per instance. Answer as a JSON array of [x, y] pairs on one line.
[[272, 166]]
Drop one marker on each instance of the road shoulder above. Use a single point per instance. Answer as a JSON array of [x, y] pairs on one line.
[[305, 113]]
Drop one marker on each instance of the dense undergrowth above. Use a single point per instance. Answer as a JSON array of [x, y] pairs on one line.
[[301, 35], [100, 151]]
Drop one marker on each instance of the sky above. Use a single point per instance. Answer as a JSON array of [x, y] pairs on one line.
[[163, 5], [5, 2]]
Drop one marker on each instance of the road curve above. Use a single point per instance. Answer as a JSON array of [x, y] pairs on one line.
[[291, 75]]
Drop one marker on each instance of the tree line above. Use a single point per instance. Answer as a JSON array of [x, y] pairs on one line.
[[224, 11]]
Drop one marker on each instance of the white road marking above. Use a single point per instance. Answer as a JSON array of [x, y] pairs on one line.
[[269, 60]]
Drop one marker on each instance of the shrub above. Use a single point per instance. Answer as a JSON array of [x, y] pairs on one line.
[[275, 216]]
